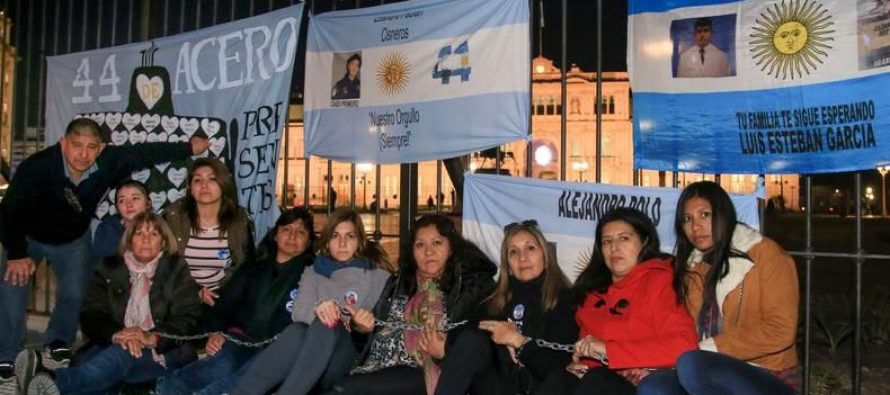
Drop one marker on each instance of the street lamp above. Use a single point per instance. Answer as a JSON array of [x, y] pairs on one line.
[[883, 170], [580, 167], [364, 168]]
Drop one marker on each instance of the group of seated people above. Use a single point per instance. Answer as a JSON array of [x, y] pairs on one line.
[[333, 315]]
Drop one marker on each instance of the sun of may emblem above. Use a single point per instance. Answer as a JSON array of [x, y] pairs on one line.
[[393, 73], [791, 38]]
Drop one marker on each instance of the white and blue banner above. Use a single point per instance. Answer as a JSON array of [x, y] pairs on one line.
[[417, 80], [780, 86], [230, 82], [567, 212]]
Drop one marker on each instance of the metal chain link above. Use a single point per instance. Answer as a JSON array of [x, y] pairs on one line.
[[568, 348], [401, 326]]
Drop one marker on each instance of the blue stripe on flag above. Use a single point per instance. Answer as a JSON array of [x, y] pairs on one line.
[[423, 19], [701, 131], [441, 132], [641, 6]]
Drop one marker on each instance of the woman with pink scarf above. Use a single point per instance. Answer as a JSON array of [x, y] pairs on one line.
[[146, 291]]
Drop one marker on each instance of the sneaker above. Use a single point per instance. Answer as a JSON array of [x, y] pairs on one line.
[[7, 371], [25, 367], [59, 351], [43, 384]]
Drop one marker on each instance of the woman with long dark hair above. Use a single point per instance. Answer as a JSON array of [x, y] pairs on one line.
[[742, 290], [255, 306], [215, 235], [629, 316], [442, 278], [532, 299], [348, 275]]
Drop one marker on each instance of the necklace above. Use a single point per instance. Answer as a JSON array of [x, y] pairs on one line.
[[207, 227]]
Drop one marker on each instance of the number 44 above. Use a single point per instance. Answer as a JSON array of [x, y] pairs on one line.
[[83, 81]]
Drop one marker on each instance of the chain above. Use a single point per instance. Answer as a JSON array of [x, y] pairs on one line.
[[568, 348], [400, 326], [227, 336]]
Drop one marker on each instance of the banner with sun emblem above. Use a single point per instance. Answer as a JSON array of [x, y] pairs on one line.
[[417, 80], [760, 86], [229, 82]]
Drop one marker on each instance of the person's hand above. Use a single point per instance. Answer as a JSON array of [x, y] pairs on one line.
[[207, 296], [590, 347], [503, 333], [19, 271], [363, 320], [214, 344], [634, 375], [576, 367], [328, 312], [131, 339], [199, 144], [432, 342]]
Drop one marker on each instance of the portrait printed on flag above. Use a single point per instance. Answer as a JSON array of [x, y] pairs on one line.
[[704, 47], [345, 73]]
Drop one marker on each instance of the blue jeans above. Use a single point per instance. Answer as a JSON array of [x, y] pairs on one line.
[[704, 372], [71, 264], [213, 375], [300, 358], [105, 369]]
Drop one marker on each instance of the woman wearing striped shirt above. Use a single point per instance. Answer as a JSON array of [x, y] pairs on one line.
[[215, 235]]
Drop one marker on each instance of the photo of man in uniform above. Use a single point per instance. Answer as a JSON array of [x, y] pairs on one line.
[[703, 59], [349, 87]]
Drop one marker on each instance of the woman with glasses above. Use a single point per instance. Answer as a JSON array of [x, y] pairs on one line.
[[255, 306], [442, 278], [532, 299], [629, 315], [215, 235], [742, 290]]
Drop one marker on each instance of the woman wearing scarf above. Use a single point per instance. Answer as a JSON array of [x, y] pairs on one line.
[[255, 306], [442, 277], [347, 275], [741, 289], [533, 299], [146, 291]]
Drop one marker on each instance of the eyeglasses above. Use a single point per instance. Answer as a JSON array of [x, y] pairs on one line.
[[529, 223], [72, 199], [616, 309]]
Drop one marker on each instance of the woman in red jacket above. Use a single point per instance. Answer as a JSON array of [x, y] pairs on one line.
[[629, 316]]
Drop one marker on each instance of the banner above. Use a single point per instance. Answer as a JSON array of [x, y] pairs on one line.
[[782, 86], [417, 80], [567, 212], [230, 82]]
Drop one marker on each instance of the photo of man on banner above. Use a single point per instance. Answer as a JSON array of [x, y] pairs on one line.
[[348, 87], [709, 53]]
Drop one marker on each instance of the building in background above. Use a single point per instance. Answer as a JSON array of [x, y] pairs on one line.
[[547, 107], [7, 82]]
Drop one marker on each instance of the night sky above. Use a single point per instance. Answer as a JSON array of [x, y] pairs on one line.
[[581, 30]]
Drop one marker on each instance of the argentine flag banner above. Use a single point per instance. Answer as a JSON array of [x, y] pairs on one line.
[[417, 80], [567, 212], [779, 86]]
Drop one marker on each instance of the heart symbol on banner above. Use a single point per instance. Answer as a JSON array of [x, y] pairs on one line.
[[172, 138], [102, 209], [175, 194], [210, 127], [112, 209], [217, 144], [111, 194], [189, 126], [169, 123], [78, 116], [119, 138], [205, 154], [158, 199], [155, 137], [98, 117], [222, 159], [113, 119], [149, 122], [150, 89], [141, 175], [138, 137], [177, 176], [163, 166], [131, 120]]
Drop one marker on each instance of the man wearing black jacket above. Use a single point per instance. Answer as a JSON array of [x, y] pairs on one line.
[[46, 213]]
